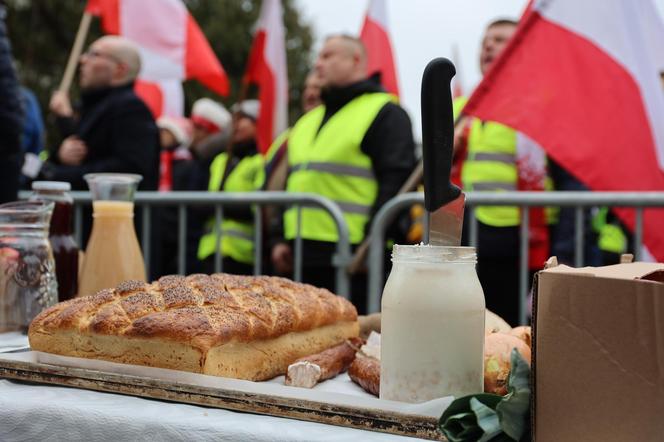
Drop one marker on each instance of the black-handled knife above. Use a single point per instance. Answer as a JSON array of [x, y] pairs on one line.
[[443, 200]]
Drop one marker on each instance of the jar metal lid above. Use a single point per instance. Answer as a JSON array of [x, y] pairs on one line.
[[51, 185], [433, 254]]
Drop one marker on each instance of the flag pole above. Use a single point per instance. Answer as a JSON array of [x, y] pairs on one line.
[[75, 53]]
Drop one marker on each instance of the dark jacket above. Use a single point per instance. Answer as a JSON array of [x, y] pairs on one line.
[[11, 119], [121, 136]]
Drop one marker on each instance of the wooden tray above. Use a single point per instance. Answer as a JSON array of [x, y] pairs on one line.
[[25, 367]]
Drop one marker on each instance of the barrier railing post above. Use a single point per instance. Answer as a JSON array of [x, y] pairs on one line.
[[638, 234], [523, 263], [258, 241], [218, 219], [472, 222], [297, 271], [145, 235], [578, 236], [182, 239]]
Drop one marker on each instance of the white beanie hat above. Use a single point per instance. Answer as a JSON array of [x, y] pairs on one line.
[[180, 128], [250, 108], [211, 115]]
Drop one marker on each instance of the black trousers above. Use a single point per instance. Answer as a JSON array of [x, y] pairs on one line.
[[498, 268]]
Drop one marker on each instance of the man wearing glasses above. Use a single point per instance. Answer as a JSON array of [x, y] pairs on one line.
[[113, 130]]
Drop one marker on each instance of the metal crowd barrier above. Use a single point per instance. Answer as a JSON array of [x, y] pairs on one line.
[[144, 201], [579, 200]]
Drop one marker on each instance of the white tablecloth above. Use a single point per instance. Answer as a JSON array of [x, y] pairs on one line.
[[30, 412]]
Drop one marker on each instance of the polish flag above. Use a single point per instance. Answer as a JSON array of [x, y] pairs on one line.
[[376, 38], [267, 69], [583, 80], [172, 47]]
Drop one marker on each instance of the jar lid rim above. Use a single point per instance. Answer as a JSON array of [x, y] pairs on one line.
[[426, 252], [51, 185]]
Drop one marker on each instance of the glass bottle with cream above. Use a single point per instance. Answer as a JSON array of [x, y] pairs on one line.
[[113, 254]]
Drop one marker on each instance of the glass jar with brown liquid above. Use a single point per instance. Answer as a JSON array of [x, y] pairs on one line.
[[113, 254], [65, 250]]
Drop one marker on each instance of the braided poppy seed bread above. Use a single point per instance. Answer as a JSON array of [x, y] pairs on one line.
[[241, 327]]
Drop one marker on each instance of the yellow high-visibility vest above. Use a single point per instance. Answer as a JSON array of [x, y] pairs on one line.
[[491, 166], [330, 163], [237, 240]]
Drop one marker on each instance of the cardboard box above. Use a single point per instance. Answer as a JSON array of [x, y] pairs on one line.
[[598, 353]]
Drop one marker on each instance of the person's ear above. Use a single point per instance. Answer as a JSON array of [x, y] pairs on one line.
[[122, 70]]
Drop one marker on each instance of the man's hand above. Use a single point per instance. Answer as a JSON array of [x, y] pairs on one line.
[[72, 151], [282, 258], [60, 104]]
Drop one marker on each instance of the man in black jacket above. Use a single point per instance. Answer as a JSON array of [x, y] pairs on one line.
[[115, 132], [11, 119], [328, 152]]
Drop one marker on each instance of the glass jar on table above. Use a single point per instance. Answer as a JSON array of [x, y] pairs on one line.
[[27, 278], [432, 325], [65, 250]]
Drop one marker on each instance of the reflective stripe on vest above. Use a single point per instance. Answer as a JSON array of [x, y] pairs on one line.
[[330, 162], [489, 186], [237, 237], [238, 234], [507, 158], [335, 168]]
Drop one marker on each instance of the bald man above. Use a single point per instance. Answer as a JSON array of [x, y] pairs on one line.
[[113, 131], [356, 149]]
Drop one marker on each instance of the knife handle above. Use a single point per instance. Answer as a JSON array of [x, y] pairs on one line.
[[438, 133]]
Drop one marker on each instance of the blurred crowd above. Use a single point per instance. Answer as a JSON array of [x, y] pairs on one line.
[[352, 144]]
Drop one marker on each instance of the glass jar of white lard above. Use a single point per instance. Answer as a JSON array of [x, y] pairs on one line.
[[432, 324]]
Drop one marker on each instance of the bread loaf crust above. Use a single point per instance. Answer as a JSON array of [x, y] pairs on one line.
[[238, 326]]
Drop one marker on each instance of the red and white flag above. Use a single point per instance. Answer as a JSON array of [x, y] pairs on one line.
[[583, 80], [267, 68], [375, 35], [172, 47]]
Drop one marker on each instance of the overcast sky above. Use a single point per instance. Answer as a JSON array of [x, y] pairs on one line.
[[421, 30]]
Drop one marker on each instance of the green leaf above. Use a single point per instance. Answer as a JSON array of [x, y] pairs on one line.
[[462, 404], [514, 410], [461, 427], [459, 423], [487, 420], [488, 417]]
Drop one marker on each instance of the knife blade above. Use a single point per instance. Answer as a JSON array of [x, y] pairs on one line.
[[443, 201]]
